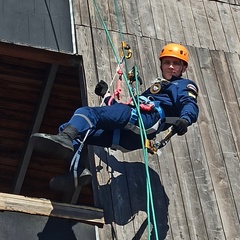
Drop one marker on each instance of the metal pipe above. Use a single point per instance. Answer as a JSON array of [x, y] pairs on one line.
[[72, 27]]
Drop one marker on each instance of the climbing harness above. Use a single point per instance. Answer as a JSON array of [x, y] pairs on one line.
[[146, 105]]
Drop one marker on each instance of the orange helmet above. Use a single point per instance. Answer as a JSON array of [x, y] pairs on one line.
[[175, 50]]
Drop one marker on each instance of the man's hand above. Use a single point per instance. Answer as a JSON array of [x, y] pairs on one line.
[[101, 88], [180, 127]]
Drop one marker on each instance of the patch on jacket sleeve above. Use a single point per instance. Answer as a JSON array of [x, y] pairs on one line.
[[193, 89], [192, 95], [155, 88]]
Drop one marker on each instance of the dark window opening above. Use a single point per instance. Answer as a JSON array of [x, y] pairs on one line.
[[39, 91]]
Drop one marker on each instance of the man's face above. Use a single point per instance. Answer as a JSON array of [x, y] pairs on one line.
[[172, 66]]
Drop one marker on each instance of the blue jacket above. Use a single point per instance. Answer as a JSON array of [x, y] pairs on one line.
[[178, 98]]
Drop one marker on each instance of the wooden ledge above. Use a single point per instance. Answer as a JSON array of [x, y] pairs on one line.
[[44, 207], [39, 54]]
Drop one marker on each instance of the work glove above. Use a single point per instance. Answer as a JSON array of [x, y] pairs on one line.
[[101, 88], [180, 126]]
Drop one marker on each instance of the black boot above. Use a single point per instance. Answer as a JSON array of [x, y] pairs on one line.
[[66, 182], [59, 145]]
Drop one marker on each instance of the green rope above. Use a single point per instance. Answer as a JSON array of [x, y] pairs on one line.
[[120, 32], [118, 21], [150, 205], [145, 154]]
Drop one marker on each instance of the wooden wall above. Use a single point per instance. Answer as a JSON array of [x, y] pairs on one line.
[[195, 180]]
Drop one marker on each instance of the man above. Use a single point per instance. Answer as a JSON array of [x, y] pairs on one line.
[[172, 96]]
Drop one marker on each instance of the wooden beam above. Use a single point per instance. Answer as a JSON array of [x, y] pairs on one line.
[[39, 54], [35, 128], [44, 207]]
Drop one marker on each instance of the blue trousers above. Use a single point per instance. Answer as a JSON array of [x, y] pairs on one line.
[[102, 121]]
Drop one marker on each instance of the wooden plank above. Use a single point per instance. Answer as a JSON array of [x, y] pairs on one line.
[[231, 1], [188, 23], [102, 14], [44, 207], [188, 188], [78, 15], [231, 143], [235, 12], [146, 18], [196, 139], [117, 16], [161, 23], [229, 27], [228, 92], [147, 59], [85, 48], [214, 20], [120, 195], [131, 17], [213, 144], [200, 19], [104, 198], [157, 48], [205, 193], [170, 181], [233, 60], [88, 11], [136, 185], [176, 33], [105, 58]]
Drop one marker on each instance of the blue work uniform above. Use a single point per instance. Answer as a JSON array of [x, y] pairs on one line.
[[177, 98]]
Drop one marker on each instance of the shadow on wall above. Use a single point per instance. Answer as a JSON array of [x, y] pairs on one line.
[[123, 198], [66, 229], [124, 195]]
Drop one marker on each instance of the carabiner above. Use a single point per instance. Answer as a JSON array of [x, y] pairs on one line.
[[126, 47]]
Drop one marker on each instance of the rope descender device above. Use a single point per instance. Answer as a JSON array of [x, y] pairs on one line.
[[153, 145], [133, 75], [126, 47]]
